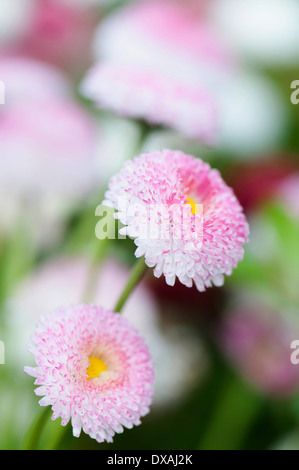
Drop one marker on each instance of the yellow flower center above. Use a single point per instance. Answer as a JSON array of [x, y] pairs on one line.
[[96, 366], [192, 203]]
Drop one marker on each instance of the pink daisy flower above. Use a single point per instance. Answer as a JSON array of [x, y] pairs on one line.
[[158, 60], [177, 351], [185, 220], [94, 368]]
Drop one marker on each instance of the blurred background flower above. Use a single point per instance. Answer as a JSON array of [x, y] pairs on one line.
[[216, 79], [44, 135], [257, 340]]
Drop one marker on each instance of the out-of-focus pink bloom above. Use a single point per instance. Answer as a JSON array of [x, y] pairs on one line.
[[178, 354], [257, 340], [60, 33], [48, 164], [177, 42], [288, 194], [170, 57], [189, 109], [166, 33], [27, 81], [94, 369], [48, 145], [166, 187]]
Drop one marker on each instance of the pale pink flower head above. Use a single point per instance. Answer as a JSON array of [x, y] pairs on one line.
[[60, 33], [48, 160], [47, 146], [29, 81], [157, 60], [94, 368], [178, 354], [165, 34], [137, 93], [185, 220]]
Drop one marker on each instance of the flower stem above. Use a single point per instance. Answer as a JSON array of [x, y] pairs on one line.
[[135, 276]]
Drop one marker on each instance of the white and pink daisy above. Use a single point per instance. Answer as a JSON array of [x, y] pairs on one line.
[[185, 220], [94, 369], [158, 60], [177, 351]]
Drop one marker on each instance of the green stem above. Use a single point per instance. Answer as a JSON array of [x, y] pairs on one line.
[[135, 276], [137, 272]]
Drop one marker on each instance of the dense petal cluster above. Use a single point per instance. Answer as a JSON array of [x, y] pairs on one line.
[[177, 352], [94, 368], [185, 220]]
